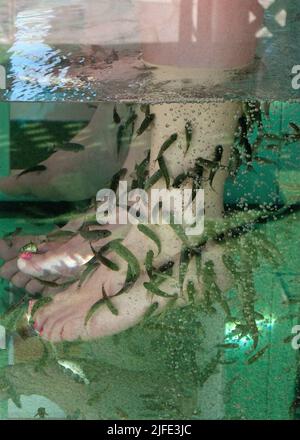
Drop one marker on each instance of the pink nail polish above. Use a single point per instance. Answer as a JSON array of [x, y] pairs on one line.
[[26, 255]]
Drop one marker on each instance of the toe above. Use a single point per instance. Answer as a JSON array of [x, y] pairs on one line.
[[33, 287], [41, 316], [9, 269], [52, 329], [30, 264], [59, 262], [20, 280], [73, 329], [10, 248], [7, 252]]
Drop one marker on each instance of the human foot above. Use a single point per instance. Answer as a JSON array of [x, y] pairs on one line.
[[79, 169], [84, 313], [70, 308], [65, 317]]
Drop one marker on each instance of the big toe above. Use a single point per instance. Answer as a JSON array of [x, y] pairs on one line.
[[10, 248], [40, 264], [53, 259]]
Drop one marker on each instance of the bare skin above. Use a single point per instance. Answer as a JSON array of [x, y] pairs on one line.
[[64, 318], [65, 257], [69, 175]]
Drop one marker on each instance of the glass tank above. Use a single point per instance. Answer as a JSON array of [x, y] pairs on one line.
[[149, 209]]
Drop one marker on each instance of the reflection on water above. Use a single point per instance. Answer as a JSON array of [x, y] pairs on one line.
[[94, 52], [32, 61]]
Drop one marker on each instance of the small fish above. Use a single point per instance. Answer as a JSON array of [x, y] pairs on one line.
[[151, 287], [142, 171], [153, 179], [180, 232], [164, 170], [295, 127], [61, 234], [116, 116], [41, 413], [188, 135], [205, 163], [42, 302], [74, 368], [267, 106], [167, 144], [235, 162], [133, 271], [151, 235], [178, 181], [152, 309], [166, 267], [116, 179], [90, 268], [145, 124], [244, 140], [105, 261], [94, 235], [218, 153], [36, 169], [55, 285], [217, 164], [185, 258], [125, 131], [288, 339], [109, 303], [258, 355], [149, 263], [29, 247]]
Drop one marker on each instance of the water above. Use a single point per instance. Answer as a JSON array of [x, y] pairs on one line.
[[226, 351], [49, 59]]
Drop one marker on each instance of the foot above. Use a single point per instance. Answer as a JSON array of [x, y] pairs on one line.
[[74, 175], [65, 318]]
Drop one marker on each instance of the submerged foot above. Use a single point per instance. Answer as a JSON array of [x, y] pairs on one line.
[[57, 257], [99, 307]]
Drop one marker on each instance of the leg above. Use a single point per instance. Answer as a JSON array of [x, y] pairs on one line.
[[65, 317]]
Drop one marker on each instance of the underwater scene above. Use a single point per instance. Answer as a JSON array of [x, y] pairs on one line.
[[149, 210]]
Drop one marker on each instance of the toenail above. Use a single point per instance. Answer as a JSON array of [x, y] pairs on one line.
[[26, 255], [35, 325]]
